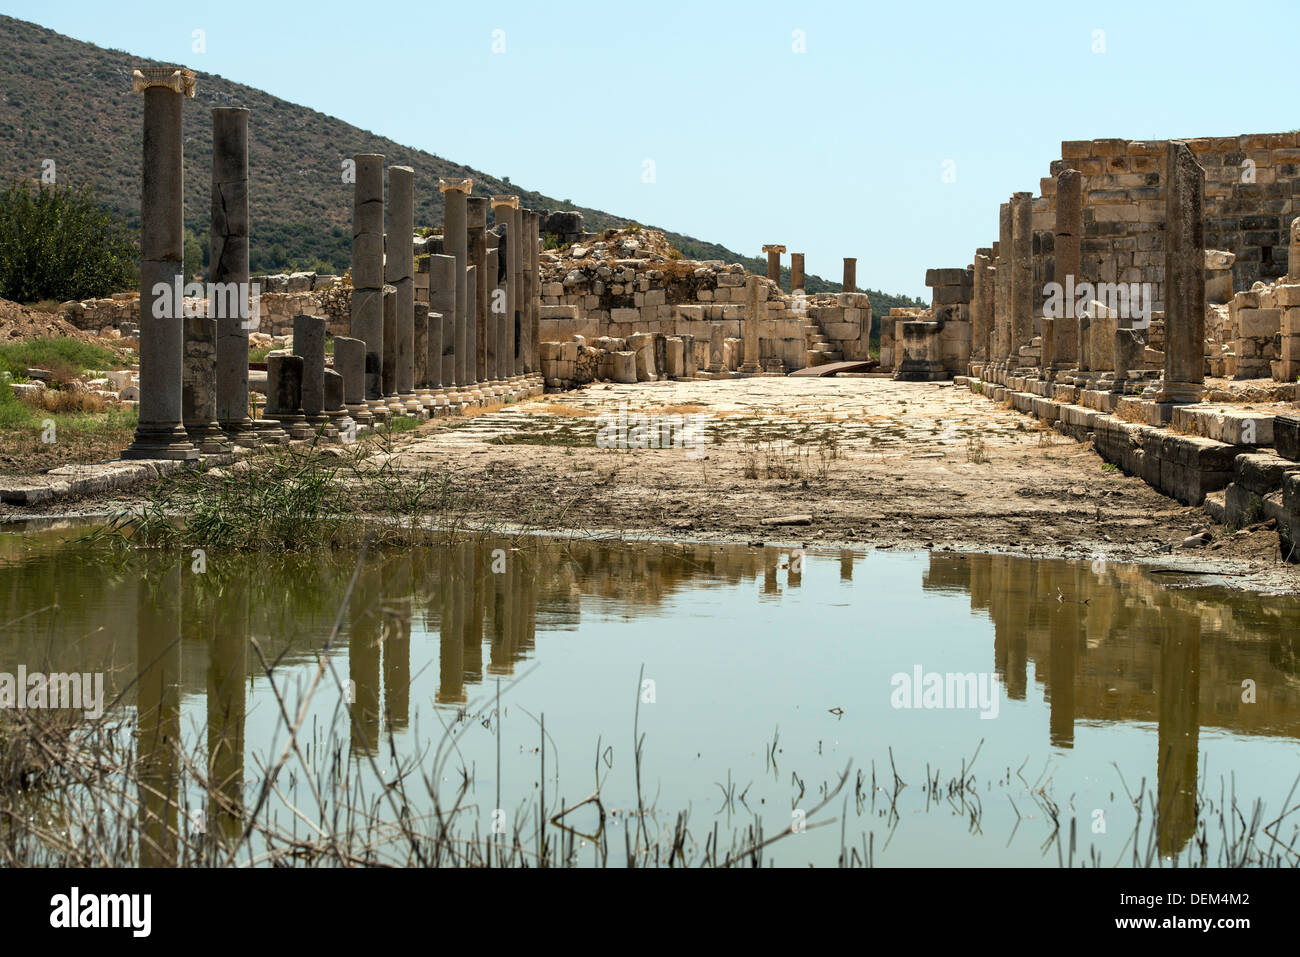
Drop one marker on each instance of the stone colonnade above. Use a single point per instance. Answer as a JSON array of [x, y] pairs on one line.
[[475, 345]]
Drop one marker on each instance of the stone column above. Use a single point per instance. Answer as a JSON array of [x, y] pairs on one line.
[[160, 433], [532, 291], [1184, 276], [437, 341], [350, 363], [479, 392], [399, 272], [228, 265], [515, 277], [455, 244], [1022, 274], [421, 356], [981, 308], [1068, 264], [1004, 286], [796, 272], [391, 399], [496, 297], [367, 321], [774, 262], [753, 313], [850, 283], [309, 343], [442, 300], [476, 244]]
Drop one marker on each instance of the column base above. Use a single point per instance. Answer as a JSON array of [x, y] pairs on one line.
[[169, 442], [270, 433], [208, 438], [359, 413], [241, 433]]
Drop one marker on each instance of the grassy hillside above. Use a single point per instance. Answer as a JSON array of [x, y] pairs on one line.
[[71, 102]]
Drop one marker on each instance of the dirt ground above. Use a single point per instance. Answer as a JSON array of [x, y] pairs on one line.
[[869, 461], [860, 462]]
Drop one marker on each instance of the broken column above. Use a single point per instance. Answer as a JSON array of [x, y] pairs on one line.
[[341, 423], [1184, 276], [160, 433], [1022, 277], [753, 312], [367, 323], [796, 272], [454, 244], [350, 363], [284, 395], [717, 349], [1292, 256], [399, 272], [199, 386], [774, 252], [309, 343], [850, 283], [228, 258]]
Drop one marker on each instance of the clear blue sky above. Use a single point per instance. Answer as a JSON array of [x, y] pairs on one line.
[[836, 151]]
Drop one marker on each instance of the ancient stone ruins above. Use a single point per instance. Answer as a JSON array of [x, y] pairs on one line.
[[1147, 300]]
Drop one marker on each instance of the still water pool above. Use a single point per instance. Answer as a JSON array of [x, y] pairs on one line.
[[988, 709]]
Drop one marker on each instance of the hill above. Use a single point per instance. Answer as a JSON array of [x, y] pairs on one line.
[[71, 102]]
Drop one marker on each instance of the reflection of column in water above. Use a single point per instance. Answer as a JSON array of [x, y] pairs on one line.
[[500, 657], [770, 585], [474, 597], [498, 585], [1017, 604], [518, 616], [227, 709], [158, 664], [794, 572], [364, 625], [451, 653], [1064, 636], [397, 646], [1179, 728], [531, 569], [846, 565]]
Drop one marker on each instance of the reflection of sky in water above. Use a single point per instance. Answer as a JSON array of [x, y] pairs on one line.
[[737, 650]]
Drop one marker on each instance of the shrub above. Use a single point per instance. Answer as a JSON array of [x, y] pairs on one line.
[[58, 243]]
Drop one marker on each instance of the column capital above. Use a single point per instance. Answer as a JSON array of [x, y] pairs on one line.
[[180, 80], [773, 248], [463, 185], [509, 201]]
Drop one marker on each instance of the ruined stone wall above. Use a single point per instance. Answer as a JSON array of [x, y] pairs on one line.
[[1251, 185], [625, 286]]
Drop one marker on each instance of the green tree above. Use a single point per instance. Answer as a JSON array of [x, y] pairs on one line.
[[195, 257], [59, 243]]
